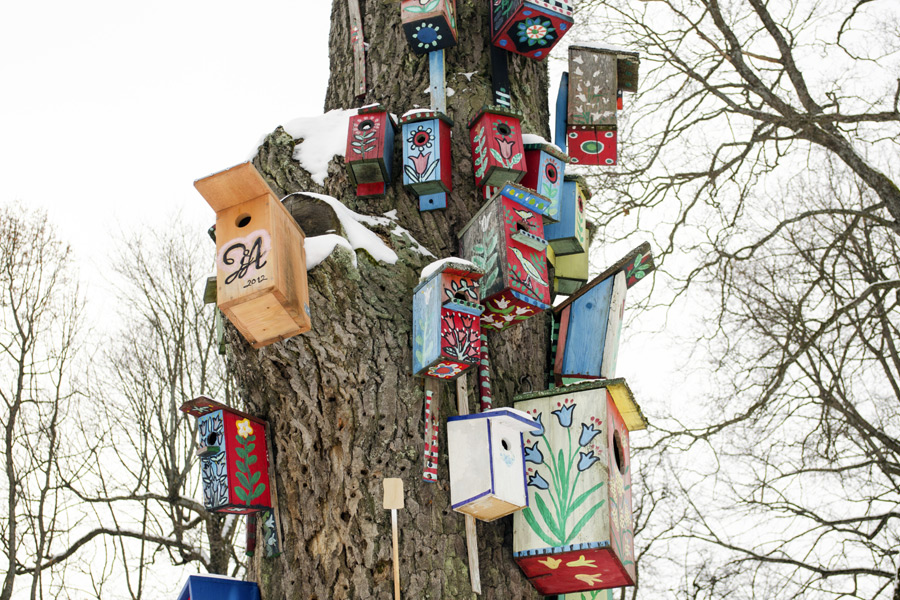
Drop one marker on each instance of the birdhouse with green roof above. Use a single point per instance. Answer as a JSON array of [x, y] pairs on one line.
[[429, 25], [530, 27]]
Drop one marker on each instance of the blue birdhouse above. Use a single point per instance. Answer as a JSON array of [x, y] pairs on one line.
[[569, 235], [546, 166], [218, 587], [427, 169]]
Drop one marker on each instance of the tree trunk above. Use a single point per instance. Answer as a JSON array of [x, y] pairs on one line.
[[344, 408]]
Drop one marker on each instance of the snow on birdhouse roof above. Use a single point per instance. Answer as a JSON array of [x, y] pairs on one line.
[[448, 263]]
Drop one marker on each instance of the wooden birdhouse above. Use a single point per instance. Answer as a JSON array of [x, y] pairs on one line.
[[570, 273], [429, 24], [590, 145], [234, 464], [498, 154], [577, 534], [218, 587], [260, 260], [506, 239], [546, 166], [370, 150], [569, 234], [446, 319], [427, 170], [590, 321], [487, 462], [530, 27]]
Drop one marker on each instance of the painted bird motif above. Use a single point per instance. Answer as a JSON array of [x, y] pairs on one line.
[[530, 269], [525, 215]]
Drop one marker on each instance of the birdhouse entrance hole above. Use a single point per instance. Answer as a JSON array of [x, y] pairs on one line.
[[505, 444], [503, 129], [366, 125], [521, 226], [243, 220], [460, 296], [212, 438], [617, 451]]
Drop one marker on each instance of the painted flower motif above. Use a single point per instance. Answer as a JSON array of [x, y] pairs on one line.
[[244, 429], [564, 414], [522, 310], [506, 147], [466, 287], [445, 370], [535, 31], [420, 162], [533, 454], [588, 433], [539, 482], [502, 303], [538, 432], [586, 459], [591, 580], [428, 35], [550, 172], [616, 486], [421, 137], [551, 563]]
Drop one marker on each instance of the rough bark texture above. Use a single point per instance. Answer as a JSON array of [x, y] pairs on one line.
[[344, 408]]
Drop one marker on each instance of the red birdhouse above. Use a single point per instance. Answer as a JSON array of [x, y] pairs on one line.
[[370, 150], [530, 27], [497, 151]]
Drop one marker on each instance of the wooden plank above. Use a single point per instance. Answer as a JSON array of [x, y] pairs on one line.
[[592, 87], [562, 111], [561, 343], [438, 81], [357, 41], [500, 77], [462, 408], [583, 353], [393, 500], [642, 253], [232, 186], [431, 452], [273, 492], [614, 327]]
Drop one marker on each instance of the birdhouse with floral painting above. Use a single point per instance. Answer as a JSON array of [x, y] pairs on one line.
[[427, 170], [577, 533], [370, 150], [234, 464], [506, 240], [218, 587], [487, 462], [429, 24], [498, 154], [446, 319], [530, 27], [590, 320], [546, 166], [260, 258], [569, 234]]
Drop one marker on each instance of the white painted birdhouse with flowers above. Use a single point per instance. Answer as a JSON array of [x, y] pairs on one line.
[[577, 534], [487, 462]]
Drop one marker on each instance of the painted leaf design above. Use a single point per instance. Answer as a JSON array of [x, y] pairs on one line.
[[583, 520], [411, 173], [430, 170], [548, 518], [515, 159], [534, 527], [242, 478], [497, 155], [241, 493]]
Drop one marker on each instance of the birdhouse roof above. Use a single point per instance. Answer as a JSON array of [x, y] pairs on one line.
[[581, 181], [452, 266], [510, 417], [621, 394], [625, 261], [203, 405], [602, 48], [495, 109], [232, 186], [424, 114]]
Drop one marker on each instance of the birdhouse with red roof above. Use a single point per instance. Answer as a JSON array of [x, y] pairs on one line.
[[427, 170], [370, 150], [506, 239], [546, 166], [218, 587], [577, 533], [234, 464], [498, 154], [429, 25], [530, 27], [446, 319]]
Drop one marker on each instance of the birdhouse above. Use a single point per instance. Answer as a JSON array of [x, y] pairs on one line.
[[234, 465], [427, 169], [370, 150], [218, 587], [506, 240], [260, 260], [530, 28], [487, 462], [569, 234], [497, 151], [546, 166], [590, 321], [446, 313], [570, 273], [429, 24], [590, 145], [577, 534]]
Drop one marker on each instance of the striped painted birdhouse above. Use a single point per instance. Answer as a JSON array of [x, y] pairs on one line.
[[429, 25], [370, 150], [530, 27], [498, 155], [427, 170]]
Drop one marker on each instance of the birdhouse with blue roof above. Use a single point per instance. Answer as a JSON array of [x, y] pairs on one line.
[[590, 320], [370, 150], [234, 464], [427, 170], [530, 27], [569, 234], [446, 319], [218, 587], [506, 240], [546, 166], [577, 533], [487, 462], [429, 25], [498, 155]]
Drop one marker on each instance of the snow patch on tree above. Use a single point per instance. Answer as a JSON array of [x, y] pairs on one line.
[[324, 137]]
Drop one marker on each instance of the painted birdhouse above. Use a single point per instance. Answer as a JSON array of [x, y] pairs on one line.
[[446, 319], [590, 321], [530, 27], [218, 587], [590, 145], [370, 150], [569, 234], [570, 273], [427, 170], [546, 166], [429, 24], [577, 534], [498, 154], [506, 239], [260, 260], [234, 464], [487, 462]]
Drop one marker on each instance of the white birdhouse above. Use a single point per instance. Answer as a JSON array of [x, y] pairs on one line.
[[487, 462]]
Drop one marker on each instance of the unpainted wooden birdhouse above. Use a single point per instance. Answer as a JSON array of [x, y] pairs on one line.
[[218, 587], [577, 534], [234, 464], [546, 166], [590, 321], [261, 281], [446, 320], [506, 239], [429, 25], [569, 234], [427, 167], [498, 154], [370, 150], [530, 27], [487, 462]]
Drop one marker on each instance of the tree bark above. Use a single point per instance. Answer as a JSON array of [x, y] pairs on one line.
[[344, 408]]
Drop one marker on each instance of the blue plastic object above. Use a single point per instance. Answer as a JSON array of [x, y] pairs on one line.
[[218, 587]]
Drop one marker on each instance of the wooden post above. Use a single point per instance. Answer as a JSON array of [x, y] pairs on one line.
[[432, 421], [500, 77], [357, 40], [484, 376], [274, 493], [437, 81], [462, 408], [393, 499]]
